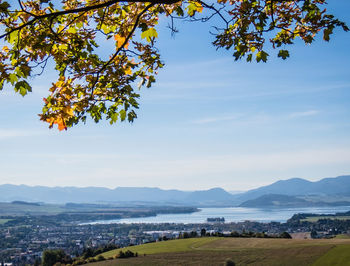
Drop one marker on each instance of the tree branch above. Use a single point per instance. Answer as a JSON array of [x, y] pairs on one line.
[[123, 44], [84, 9]]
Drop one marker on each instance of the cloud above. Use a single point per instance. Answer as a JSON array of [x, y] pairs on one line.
[[254, 119], [237, 119], [15, 133], [304, 114], [209, 120]]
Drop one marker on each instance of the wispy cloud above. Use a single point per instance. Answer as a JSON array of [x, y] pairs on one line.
[[14, 133], [257, 118], [304, 114], [209, 120]]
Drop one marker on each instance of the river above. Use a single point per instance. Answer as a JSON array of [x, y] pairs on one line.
[[234, 214]]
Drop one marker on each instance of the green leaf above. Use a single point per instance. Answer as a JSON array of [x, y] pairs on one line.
[[122, 115], [114, 118], [72, 30], [13, 78], [23, 87], [261, 56], [191, 9], [284, 54], [249, 58], [179, 11], [131, 116], [12, 38], [149, 34], [143, 26], [326, 34], [4, 7]]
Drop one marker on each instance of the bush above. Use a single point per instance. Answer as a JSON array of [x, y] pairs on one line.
[[126, 254], [285, 235], [229, 262], [52, 257], [91, 260], [235, 234], [79, 262]]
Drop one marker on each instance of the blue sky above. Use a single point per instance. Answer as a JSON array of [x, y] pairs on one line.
[[208, 122]]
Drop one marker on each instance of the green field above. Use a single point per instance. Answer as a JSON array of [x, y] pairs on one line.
[[25, 209], [339, 255], [3, 221], [178, 245], [343, 236], [316, 218], [243, 251]]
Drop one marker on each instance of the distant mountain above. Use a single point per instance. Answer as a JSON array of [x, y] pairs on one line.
[[332, 189], [130, 195], [210, 197], [274, 200], [338, 186], [285, 201]]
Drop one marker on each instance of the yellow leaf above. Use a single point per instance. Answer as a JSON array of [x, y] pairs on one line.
[[128, 71], [199, 7], [50, 121], [6, 49]]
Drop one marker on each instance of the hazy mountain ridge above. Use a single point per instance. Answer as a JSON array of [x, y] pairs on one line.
[[338, 186], [285, 201], [295, 187], [136, 195]]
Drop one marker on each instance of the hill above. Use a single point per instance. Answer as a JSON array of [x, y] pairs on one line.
[[275, 200], [123, 195], [243, 251], [326, 190], [331, 187], [285, 201]]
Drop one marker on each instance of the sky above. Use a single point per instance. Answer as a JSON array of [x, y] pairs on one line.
[[209, 121]]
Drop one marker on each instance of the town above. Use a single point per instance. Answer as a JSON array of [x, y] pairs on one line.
[[23, 240]]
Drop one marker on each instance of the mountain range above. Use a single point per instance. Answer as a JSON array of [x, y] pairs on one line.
[[284, 193]]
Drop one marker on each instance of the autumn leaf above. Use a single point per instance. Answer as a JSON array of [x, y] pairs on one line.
[[61, 125], [120, 41], [128, 71]]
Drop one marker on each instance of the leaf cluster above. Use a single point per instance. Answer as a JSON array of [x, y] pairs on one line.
[[73, 33]]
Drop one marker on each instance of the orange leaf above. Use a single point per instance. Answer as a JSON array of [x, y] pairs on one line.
[[61, 125], [120, 40], [6, 49]]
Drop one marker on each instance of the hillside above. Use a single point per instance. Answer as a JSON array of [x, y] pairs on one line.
[[275, 200], [338, 186], [285, 201], [243, 251]]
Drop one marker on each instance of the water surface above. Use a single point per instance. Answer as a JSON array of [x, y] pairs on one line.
[[234, 214]]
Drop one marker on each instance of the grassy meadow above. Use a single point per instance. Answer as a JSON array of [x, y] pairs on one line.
[[343, 236], [243, 251], [339, 255], [316, 218], [3, 221], [12, 209]]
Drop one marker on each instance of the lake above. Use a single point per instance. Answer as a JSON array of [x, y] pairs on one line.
[[234, 214]]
